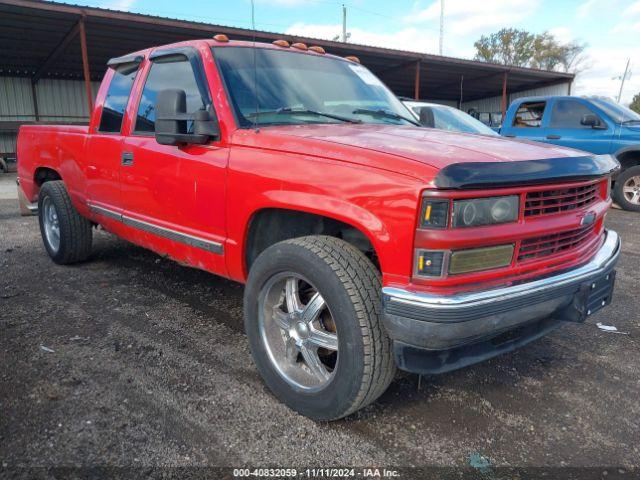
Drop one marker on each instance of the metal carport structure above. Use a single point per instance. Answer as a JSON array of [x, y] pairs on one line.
[[54, 41]]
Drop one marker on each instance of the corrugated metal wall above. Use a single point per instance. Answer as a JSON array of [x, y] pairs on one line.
[[494, 104], [7, 142], [58, 100], [16, 100]]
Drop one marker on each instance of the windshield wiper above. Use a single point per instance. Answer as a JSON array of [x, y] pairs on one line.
[[384, 114], [303, 111]]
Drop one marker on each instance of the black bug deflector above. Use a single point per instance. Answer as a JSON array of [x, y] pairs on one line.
[[529, 172]]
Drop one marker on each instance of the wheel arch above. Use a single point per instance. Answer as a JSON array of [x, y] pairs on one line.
[[628, 156], [271, 224], [45, 174]]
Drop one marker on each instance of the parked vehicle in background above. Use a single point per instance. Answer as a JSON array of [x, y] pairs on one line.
[[490, 119], [593, 124], [365, 241], [444, 117], [7, 164]]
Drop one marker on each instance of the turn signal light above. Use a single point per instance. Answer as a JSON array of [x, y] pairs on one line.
[[434, 213], [221, 37], [281, 43], [299, 46], [430, 263]]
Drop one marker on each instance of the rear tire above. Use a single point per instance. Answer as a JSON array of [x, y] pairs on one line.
[[627, 189], [350, 316], [67, 235]]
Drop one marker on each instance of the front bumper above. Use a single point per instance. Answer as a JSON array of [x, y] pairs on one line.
[[436, 333]]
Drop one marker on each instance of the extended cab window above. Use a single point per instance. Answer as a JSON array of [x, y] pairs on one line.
[[117, 98], [568, 114], [171, 72], [529, 114]]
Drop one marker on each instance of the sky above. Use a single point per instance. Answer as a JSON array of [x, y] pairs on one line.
[[610, 28]]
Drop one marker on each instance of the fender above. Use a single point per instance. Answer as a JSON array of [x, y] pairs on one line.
[[623, 150], [370, 222], [371, 225]]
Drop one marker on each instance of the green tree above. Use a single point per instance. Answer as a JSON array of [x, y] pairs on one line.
[[520, 48], [635, 103], [509, 46]]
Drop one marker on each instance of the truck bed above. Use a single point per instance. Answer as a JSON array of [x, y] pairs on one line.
[[58, 147]]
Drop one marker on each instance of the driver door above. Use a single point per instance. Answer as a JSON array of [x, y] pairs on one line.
[[565, 127], [174, 192]]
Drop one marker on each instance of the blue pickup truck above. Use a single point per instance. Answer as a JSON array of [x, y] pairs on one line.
[[594, 124]]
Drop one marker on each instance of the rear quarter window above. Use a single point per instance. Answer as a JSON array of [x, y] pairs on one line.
[[529, 115], [117, 98]]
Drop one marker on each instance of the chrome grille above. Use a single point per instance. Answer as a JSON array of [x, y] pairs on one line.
[[537, 247], [559, 200]]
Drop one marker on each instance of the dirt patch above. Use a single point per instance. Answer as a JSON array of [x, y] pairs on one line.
[[145, 364]]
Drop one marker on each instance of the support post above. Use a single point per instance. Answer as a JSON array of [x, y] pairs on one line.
[[35, 101], [416, 89], [504, 94], [85, 64]]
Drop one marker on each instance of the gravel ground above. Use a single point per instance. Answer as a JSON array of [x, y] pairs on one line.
[[132, 360]]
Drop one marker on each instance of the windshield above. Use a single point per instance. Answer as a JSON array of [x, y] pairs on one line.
[[296, 88], [617, 112], [452, 119]]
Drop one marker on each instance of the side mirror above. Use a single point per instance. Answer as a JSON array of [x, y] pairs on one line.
[[172, 121], [591, 120], [426, 117]]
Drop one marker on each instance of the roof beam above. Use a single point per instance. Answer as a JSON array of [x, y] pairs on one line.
[[201, 27], [55, 54]]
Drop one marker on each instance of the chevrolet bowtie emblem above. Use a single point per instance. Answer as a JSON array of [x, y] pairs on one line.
[[588, 219]]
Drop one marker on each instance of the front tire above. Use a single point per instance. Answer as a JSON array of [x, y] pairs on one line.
[[313, 319], [67, 235], [627, 189]]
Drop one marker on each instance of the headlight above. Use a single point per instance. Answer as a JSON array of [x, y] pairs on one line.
[[485, 211]]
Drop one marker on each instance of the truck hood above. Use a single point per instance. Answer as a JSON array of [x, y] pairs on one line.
[[412, 148]]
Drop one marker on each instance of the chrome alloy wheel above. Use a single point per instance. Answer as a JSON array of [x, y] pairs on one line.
[[631, 190], [51, 224], [298, 332]]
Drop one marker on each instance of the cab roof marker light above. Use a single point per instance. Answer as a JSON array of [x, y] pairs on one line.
[[317, 49], [281, 43], [299, 46], [352, 58], [221, 37]]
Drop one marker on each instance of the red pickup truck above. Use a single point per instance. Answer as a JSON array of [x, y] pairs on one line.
[[365, 241]]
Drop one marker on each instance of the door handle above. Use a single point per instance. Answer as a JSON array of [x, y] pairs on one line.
[[127, 159], [553, 137], [510, 136]]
